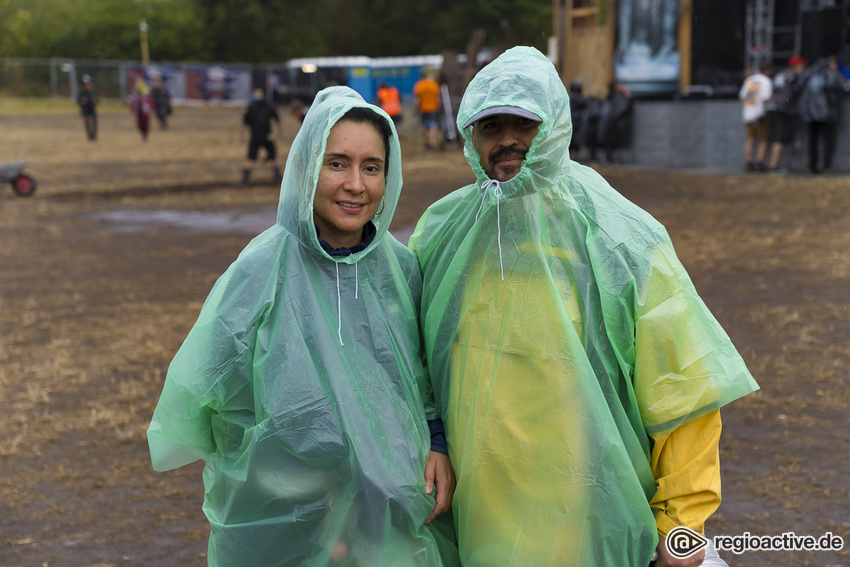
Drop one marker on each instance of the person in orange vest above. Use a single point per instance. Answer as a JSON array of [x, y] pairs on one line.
[[427, 93], [390, 102]]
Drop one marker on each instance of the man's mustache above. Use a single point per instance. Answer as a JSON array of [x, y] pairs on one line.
[[507, 153]]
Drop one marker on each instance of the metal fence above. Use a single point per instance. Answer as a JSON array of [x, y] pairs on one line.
[[60, 77], [202, 83]]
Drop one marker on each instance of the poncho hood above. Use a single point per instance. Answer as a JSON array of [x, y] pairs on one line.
[[542, 93], [298, 188]]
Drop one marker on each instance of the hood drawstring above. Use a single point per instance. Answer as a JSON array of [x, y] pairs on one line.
[[338, 307], [339, 298], [497, 192]]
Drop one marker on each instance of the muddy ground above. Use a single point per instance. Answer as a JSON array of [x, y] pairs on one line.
[[104, 269]]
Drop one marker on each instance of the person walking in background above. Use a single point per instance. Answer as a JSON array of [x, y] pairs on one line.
[[427, 93], [578, 104], [161, 102], [821, 88], [782, 114], [615, 123], [87, 99], [302, 383], [389, 100], [141, 106], [820, 106], [589, 127], [257, 118], [755, 92], [840, 85], [577, 370]]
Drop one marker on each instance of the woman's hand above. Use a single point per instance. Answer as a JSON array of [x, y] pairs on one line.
[[439, 475]]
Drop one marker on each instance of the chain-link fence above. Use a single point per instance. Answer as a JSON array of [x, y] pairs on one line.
[[59, 77], [200, 83]]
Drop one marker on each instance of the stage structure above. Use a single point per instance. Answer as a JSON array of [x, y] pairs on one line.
[[690, 48]]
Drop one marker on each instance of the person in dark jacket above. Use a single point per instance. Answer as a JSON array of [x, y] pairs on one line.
[[820, 96], [588, 126], [615, 126], [782, 115], [87, 99], [577, 107], [161, 102], [258, 117]]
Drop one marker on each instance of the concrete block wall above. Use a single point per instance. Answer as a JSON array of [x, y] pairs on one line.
[[709, 135]]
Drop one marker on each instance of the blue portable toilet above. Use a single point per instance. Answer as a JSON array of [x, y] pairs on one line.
[[319, 72], [402, 72], [361, 73], [360, 78]]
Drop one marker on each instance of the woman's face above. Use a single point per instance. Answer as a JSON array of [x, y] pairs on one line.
[[351, 183]]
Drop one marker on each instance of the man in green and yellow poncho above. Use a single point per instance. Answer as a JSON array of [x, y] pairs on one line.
[[578, 373]]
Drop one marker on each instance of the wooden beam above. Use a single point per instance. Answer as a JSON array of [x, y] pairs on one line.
[[585, 11]]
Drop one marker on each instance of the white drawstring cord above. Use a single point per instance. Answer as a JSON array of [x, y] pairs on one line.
[[338, 307], [497, 192], [339, 298]]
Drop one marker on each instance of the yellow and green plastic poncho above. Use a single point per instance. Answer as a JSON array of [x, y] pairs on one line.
[[302, 387], [561, 333]]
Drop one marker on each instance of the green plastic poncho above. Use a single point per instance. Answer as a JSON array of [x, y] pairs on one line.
[[561, 332], [302, 386]]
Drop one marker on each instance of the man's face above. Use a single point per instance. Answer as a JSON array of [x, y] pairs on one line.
[[502, 142]]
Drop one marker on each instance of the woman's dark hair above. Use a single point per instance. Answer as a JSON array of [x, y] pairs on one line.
[[362, 115]]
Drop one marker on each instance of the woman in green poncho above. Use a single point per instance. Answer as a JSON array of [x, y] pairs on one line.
[[302, 386]]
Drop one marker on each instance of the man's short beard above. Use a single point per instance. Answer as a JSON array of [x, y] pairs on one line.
[[505, 153]]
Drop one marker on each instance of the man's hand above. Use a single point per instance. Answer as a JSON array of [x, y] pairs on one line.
[[667, 560], [439, 475]]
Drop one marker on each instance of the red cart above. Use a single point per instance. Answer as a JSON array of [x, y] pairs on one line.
[[23, 184]]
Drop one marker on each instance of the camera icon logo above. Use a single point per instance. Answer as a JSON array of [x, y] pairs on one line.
[[683, 542]]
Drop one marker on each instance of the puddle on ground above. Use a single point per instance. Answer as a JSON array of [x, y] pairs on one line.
[[134, 220]]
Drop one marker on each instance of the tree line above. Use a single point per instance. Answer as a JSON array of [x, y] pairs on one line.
[[264, 30]]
